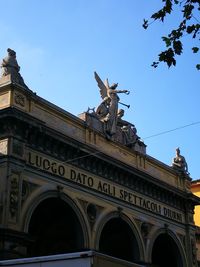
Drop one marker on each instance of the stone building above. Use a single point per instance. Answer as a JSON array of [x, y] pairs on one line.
[[195, 188], [66, 185]]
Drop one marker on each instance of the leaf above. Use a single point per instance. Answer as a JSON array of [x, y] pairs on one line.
[[197, 27], [190, 28], [187, 11], [174, 61], [167, 41], [145, 24], [168, 57], [176, 34], [198, 66], [182, 25], [159, 15], [195, 49], [168, 6], [178, 48], [155, 64], [174, 39]]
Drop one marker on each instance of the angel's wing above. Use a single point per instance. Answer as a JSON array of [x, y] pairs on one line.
[[103, 87], [106, 84]]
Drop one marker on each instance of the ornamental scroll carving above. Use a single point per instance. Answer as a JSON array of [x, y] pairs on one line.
[[14, 196]]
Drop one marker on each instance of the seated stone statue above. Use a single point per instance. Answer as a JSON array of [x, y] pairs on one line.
[[10, 67], [102, 113], [179, 162], [102, 110], [129, 131]]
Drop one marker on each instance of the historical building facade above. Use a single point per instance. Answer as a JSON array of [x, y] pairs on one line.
[[195, 188], [75, 183]]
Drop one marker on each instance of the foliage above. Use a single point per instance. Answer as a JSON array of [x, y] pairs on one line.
[[189, 25]]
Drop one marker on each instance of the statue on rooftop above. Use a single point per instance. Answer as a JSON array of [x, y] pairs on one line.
[[179, 163], [107, 119], [110, 95], [103, 109], [128, 130], [10, 67]]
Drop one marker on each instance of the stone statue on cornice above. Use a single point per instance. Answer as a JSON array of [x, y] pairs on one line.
[[179, 163], [10, 67], [128, 129], [110, 93], [107, 119]]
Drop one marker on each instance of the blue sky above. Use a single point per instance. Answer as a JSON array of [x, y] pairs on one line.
[[61, 43]]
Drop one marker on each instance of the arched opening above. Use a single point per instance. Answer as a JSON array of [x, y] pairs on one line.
[[165, 252], [118, 240], [55, 228]]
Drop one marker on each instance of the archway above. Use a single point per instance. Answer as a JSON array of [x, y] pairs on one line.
[[165, 252], [118, 240], [55, 228]]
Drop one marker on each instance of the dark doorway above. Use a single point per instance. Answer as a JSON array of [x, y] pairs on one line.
[[118, 240], [166, 253], [55, 228]]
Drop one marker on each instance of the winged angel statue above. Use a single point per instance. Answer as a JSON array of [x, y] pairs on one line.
[[108, 109]]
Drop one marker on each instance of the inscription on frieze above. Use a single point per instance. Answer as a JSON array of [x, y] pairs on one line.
[[101, 185]]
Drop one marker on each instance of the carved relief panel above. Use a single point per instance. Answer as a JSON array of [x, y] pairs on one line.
[[4, 147], [14, 197], [19, 100]]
